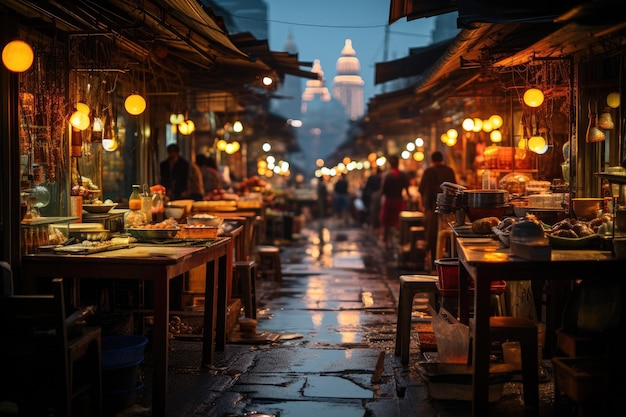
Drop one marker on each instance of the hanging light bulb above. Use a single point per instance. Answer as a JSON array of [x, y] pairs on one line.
[[237, 126], [451, 142], [444, 137], [17, 56], [83, 108], [135, 104], [533, 97], [183, 129], [221, 145], [478, 125], [191, 126], [79, 120], [110, 145], [496, 121], [495, 136], [418, 156], [536, 143], [487, 127], [452, 133], [613, 100], [468, 124], [176, 118]]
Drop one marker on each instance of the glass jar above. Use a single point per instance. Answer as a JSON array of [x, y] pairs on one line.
[[134, 201]]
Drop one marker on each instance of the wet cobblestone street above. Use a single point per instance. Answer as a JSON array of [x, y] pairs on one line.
[[334, 315]]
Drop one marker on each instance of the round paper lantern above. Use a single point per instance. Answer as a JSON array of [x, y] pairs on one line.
[[613, 100], [468, 124], [536, 143], [83, 108], [496, 121], [17, 56], [80, 120], [135, 104], [495, 136], [533, 97]]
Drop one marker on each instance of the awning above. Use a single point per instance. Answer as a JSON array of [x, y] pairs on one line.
[[415, 9], [486, 11], [413, 65]]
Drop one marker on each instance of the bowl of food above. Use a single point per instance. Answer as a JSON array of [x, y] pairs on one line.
[[205, 220], [175, 212], [99, 208]]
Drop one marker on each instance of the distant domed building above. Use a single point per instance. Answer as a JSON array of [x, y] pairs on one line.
[[348, 83], [324, 122]]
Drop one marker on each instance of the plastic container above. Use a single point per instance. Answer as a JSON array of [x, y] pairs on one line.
[[122, 350], [448, 272], [121, 378], [114, 401]]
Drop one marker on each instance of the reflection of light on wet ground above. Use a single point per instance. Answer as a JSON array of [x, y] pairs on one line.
[[349, 319], [367, 299], [334, 387]]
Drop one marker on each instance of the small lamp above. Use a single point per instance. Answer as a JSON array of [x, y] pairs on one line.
[[496, 121], [17, 56], [495, 136], [79, 120], [135, 104], [468, 124], [613, 100], [536, 143], [533, 97]]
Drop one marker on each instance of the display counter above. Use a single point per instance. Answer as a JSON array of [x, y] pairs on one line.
[[485, 261], [160, 264]]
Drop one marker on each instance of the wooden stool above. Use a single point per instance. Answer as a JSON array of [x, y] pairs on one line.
[[445, 241], [410, 285], [503, 328], [269, 262], [245, 278]]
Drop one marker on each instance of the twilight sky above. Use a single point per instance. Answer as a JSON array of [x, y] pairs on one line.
[[321, 27]]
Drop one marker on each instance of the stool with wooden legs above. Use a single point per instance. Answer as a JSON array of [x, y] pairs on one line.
[[245, 277]]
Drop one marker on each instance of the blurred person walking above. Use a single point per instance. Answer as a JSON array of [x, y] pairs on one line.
[[429, 187], [181, 178], [394, 188], [370, 195], [341, 200]]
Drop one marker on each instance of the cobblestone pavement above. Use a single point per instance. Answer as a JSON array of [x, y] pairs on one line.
[[334, 316]]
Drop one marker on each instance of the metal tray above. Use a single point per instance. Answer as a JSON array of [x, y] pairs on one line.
[[143, 233]]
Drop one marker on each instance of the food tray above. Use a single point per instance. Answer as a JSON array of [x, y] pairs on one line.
[[152, 233], [587, 242], [197, 232]]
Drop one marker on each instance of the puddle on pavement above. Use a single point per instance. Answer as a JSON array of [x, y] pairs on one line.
[[334, 387], [316, 408]]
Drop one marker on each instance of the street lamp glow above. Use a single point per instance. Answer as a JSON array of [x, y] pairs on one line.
[[266, 147]]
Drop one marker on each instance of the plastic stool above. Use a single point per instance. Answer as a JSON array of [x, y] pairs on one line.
[[503, 328], [269, 261], [245, 273], [410, 285]]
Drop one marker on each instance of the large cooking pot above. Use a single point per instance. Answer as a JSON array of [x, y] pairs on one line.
[[484, 198]]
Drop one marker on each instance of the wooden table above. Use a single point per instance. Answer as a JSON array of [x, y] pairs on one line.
[[486, 262], [159, 263]]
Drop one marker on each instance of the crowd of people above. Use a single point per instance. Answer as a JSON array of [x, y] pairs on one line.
[[377, 203], [387, 191]]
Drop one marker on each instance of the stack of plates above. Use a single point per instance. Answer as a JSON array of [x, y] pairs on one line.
[[450, 199]]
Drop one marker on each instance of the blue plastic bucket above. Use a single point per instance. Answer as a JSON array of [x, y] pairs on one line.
[[122, 350]]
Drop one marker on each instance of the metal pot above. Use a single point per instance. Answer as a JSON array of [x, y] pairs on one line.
[[484, 198]]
